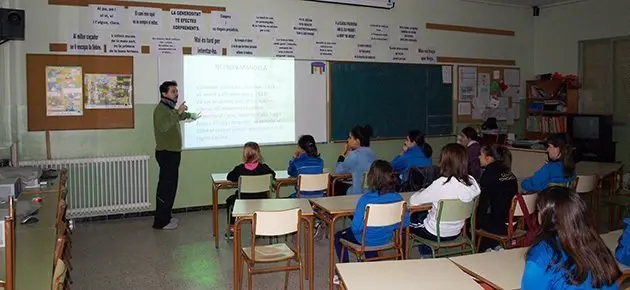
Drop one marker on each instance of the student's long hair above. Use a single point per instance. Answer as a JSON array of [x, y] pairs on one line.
[[454, 163], [382, 178], [470, 133], [307, 143], [566, 227], [418, 137], [363, 134], [251, 153], [566, 153], [500, 154]]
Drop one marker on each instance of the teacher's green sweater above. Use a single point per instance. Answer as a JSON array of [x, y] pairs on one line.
[[168, 136]]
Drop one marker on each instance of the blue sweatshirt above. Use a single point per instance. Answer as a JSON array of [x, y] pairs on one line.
[[375, 236], [413, 157], [552, 172], [305, 164], [357, 163], [537, 277]]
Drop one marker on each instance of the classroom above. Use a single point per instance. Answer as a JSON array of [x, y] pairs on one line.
[[97, 191]]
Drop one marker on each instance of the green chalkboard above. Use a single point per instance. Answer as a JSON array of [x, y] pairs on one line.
[[392, 98]]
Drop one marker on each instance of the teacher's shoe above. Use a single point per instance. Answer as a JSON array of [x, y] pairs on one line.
[[174, 220], [170, 226]]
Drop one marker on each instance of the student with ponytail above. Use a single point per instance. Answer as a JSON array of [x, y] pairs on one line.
[[356, 158], [498, 187], [415, 153], [306, 160], [560, 168]]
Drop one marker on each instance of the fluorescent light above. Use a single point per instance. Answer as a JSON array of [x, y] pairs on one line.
[[387, 4]]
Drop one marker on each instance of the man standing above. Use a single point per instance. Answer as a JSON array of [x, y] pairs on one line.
[[168, 147]]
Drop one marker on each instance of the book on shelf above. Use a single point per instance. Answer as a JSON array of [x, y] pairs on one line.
[[546, 124]]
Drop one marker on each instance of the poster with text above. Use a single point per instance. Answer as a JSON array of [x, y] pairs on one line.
[[64, 92], [108, 91]]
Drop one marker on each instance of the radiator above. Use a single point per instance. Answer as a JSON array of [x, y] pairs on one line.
[[103, 185]]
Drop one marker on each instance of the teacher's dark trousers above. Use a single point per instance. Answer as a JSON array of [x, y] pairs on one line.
[[167, 186]]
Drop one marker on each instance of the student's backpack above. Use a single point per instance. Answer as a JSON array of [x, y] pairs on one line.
[[622, 252]]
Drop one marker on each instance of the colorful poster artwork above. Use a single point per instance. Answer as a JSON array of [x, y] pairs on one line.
[[64, 92]]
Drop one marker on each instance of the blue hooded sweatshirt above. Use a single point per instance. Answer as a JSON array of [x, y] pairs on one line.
[[413, 157], [539, 274], [357, 163], [375, 236], [305, 164], [552, 172]]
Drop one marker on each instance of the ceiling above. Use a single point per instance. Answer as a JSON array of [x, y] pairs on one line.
[[528, 3]]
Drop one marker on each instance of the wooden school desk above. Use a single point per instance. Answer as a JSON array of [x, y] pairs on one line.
[[437, 273], [244, 210], [331, 209], [35, 243], [219, 181], [501, 270]]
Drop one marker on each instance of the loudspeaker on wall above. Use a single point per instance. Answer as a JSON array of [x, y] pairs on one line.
[[12, 22]]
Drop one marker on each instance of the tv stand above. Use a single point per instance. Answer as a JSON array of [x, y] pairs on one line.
[[595, 150]]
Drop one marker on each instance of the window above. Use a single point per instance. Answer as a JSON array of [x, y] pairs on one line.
[[605, 74]]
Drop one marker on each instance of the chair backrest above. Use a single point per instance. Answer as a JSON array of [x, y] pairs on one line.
[[451, 210], [313, 182], [364, 184], [254, 183], [530, 203], [276, 223], [387, 214], [586, 183], [59, 275]]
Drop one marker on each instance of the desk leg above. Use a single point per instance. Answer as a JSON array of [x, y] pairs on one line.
[[310, 263], [331, 245], [238, 263], [215, 215]]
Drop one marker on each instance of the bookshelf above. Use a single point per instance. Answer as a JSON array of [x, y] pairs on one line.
[[548, 104]]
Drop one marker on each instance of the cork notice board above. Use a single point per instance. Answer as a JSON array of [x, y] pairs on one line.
[[37, 87], [493, 75]]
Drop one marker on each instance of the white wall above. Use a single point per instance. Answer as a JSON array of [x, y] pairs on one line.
[[558, 30], [53, 24]]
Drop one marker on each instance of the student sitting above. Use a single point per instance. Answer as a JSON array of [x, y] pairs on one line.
[[382, 189], [498, 187], [415, 153], [252, 165], [454, 183], [568, 252], [470, 139], [306, 160], [356, 159], [560, 169]]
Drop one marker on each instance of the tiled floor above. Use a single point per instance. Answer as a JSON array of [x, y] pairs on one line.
[[129, 254]]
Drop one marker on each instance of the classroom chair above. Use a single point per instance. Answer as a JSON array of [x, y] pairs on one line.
[[379, 215], [9, 251], [59, 281], [272, 224], [450, 210], [508, 241], [313, 182], [364, 185], [249, 184], [589, 186]]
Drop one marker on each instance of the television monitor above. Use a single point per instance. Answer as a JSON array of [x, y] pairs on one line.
[[586, 127]]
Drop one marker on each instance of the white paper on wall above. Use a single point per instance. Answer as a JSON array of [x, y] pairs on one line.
[[464, 108], [379, 32], [244, 46], [346, 29], [304, 26], [87, 42], [408, 33], [325, 49], [427, 55], [145, 18], [185, 20], [399, 52], [166, 45], [264, 24], [107, 16], [467, 83], [210, 45], [284, 47], [223, 22], [123, 43], [447, 74]]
